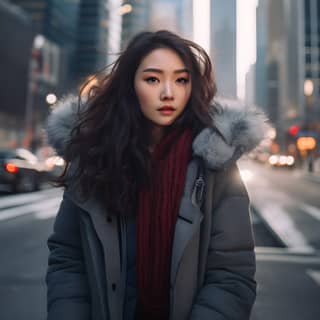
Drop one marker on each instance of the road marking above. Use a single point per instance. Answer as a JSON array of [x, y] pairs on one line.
[[312, 211], [315, 275], [289, 258], [283, 226], [30, 208], [48, 214], [20, 199], [282, 251]]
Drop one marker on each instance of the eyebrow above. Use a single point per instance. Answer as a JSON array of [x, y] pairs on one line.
[[161, 71]]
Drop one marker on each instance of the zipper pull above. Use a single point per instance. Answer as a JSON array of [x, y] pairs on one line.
[[198, 191]]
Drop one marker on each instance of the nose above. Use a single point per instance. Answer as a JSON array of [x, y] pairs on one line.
[[167, 92]]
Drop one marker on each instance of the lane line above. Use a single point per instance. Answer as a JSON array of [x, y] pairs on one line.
[[283, 251], [312, 211], [30, 208], [315, 275], [289, 258], [283, 226], [20, 199], [48, 214]]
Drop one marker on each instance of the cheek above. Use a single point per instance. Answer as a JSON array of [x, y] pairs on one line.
[[186, 95], [143, 94]]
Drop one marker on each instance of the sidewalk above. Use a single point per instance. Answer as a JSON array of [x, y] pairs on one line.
[[288, 285]]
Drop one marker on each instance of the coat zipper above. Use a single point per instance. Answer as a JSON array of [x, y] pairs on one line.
[[198, 190], [197, 197], [123, 230]]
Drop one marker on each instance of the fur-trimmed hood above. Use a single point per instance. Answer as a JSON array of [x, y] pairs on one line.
[[237, 129]]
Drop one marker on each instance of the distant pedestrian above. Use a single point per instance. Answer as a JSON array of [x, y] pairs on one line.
[[310, 161], [154, 222]]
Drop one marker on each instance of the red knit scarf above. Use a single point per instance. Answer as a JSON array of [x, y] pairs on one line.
[[157, 214]]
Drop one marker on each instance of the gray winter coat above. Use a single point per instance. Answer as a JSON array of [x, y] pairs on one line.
[[213, 261]]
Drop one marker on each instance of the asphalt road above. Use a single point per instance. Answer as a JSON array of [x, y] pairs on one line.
[[288, 201], [23, 253]]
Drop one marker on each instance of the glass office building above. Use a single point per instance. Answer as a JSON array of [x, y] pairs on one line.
[[224, 46]]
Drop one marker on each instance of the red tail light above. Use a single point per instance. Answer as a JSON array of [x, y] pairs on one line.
[[10, 167]]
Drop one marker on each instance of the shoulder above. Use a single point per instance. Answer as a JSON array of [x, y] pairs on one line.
[[229, 183], [69, 212], [225, 184]]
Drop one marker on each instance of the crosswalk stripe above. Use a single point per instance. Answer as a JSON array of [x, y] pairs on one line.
[[18, 199], [43, 215], [315, 275], [21, 199], [283, 225], [312, 211], [27, 209], [298, 259]]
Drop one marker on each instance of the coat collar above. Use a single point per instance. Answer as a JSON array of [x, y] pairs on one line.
[[236, 129]]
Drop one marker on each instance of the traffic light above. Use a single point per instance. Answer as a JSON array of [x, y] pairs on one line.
[[294, 130]]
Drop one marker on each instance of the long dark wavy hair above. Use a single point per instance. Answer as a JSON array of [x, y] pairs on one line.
[[109, 143]]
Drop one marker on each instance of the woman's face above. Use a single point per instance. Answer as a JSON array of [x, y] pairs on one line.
[[163, 86]]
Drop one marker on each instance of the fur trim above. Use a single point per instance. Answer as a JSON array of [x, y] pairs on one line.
[[237, 129], [61, 122]]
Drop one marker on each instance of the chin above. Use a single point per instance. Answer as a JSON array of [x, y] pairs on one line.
[[165, 123]]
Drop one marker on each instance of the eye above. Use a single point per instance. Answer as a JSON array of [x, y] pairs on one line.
[[152, 80], [183, 80]]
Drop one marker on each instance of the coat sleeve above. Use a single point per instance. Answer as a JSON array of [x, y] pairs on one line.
[[229, 288], [67, 285]]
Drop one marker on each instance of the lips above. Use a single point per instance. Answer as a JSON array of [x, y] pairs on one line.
[[166, 108]]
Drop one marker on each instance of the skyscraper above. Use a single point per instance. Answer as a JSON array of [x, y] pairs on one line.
[[135, 21], [311, 62], [14, 57], [283, 62], [224, 46], [78, 27], [92, 41], [55, 19], [261, 62], [57, 22], [173, 15]]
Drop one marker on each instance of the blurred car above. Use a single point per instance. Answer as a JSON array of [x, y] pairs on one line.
[[20, 170], [259, 156], [55, 166], [284, 161]]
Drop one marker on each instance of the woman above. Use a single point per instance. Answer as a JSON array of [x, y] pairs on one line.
[[154, 222]]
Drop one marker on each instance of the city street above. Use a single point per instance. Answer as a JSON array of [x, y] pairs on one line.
[[23, 252], [288, 278], [288, 200], [106, 84]]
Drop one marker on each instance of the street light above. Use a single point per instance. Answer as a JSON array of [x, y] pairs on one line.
[[39, 41], [51, 99], [124, 9], [308, 87]]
